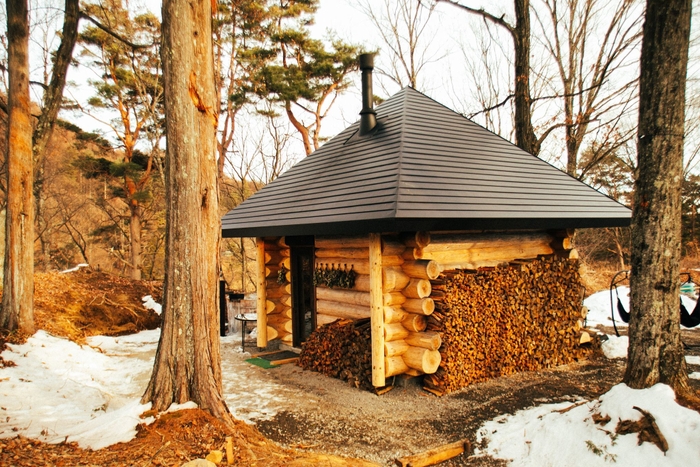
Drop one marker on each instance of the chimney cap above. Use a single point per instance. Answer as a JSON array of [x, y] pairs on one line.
[[366, 61]]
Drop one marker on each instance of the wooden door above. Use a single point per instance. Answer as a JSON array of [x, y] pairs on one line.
[[303, 290]]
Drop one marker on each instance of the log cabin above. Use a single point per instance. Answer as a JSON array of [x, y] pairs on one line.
[[366, 225]]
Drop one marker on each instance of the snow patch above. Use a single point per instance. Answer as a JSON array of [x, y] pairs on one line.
[[150, 304], [81, 265]]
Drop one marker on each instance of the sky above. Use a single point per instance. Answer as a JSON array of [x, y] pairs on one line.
[[90, 395]]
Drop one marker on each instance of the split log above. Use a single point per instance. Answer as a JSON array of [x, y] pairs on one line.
[[394, 366], [395, 348], [426, 340], [414, 322], [422, 306], [331, 242], [342, 310], [422, 359], [421, 269], [435, 455], [394, 298], [567, 254], [394, 314], [394, 279], [344, 253], [343, 296], [394, 332], [417, 288]]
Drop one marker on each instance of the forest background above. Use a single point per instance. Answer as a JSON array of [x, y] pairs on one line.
[[287, 81]]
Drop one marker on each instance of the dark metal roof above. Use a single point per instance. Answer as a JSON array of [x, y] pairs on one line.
[[425, 167]]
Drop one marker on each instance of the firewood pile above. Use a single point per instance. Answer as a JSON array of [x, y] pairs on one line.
[[341, 349], [497, 321]]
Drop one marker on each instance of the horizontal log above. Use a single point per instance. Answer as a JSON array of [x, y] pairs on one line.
[[395, 348], [394, 332], [322, 319], [394, 314], [417, 288], [422, 306], [357, 265], [565, 243], [277, 258], [287, 339], [280, 309], [448, 242], [392, 248], [342, 295], [344, 253], [414, 322], [394, 298], [272, 284], [394, 366], [422, 359], [416, 239], [477, 255], [428, 340], [421, 269], [342, 310], [338, 241], [280, 322], [272, 272], [278, 292], [361, 283], [272, 333], [394, 278]]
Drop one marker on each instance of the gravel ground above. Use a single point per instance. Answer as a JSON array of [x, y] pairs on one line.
[[327, 415]]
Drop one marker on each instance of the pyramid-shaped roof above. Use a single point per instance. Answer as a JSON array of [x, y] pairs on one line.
[[423, 168]]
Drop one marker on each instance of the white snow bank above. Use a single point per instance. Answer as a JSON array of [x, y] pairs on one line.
[[615, 347], [150, 304], [60, 390], [81, 265], [599, 305], [546, 435]]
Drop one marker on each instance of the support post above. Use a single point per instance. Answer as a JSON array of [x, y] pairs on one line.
[[376, 298], [261, 293]]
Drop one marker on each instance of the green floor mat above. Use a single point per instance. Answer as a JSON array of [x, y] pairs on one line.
[[261, 362]]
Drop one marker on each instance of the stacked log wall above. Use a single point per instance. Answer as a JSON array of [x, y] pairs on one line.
[[278, 290], [494, 322]]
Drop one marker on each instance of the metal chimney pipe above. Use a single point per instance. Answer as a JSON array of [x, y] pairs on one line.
[[368, 117]]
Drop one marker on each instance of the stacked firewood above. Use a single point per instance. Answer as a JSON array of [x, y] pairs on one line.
[[341, 349], [497, 321]]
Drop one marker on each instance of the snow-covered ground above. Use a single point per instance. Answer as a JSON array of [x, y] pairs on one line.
[[90, 394]]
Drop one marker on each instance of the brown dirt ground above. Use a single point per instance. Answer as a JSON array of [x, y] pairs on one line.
[[320, 415]]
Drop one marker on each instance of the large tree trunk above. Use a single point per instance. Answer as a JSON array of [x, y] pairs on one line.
[[18, 285], [188, 362], [655, 352], [524, 133]]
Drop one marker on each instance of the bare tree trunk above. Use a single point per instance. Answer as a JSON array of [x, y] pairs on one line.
[[188, 362], [53, 97], [524, 133], [135, 237], [18, 284], [656, 353]]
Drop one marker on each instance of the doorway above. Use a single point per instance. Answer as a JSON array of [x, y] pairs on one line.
[[301, 252]]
